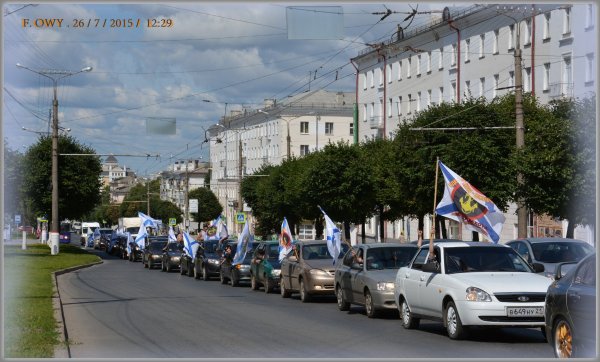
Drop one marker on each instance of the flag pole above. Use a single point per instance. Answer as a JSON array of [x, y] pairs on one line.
[[432, 232]]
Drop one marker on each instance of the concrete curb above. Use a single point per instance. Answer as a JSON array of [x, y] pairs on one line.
[[62, 350]]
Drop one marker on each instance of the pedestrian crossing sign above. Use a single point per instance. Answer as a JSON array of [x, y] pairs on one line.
[[172, 221], [240, 218]]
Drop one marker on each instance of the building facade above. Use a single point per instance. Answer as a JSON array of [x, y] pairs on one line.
[[470, 52], [243, 142]]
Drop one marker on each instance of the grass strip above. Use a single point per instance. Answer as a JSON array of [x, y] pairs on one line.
[[30, 330]]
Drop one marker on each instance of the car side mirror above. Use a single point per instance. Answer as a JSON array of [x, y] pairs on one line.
[[431, 268], [538, 268], [562, 269], [357, 266]]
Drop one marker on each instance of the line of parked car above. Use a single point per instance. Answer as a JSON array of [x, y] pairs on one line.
[[532, 283]]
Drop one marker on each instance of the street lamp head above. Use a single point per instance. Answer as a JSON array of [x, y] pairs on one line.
[[261, 111], [87, 69], [20, 65]]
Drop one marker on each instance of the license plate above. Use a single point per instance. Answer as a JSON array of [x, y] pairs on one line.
[[525, 311]]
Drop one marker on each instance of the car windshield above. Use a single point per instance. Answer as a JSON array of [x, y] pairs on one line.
[[389, 257], [105, 231], [483, 259], [320, 251], [273, 252], [558, 252], [211, 246], [174, 247], [157, 245]]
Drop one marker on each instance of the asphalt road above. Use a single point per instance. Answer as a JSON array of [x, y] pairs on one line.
[[119, 309]]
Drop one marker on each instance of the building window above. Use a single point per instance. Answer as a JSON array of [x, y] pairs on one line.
[[408, 110], [546, 81], [399, 107], [495, 41], [428, 62], [364, 112], [589, 17], [441, 59], [304, 127], [418, 101], [380, 109], [467, 50], [589, 67], [467, 89], [527, 35], [546, 27], [372, 114], [496, 85], [400, 70], [453, 59], [429, 98], [567, 22], [305, 232], [482, 87], [380, 76], [511, 78], [371, 78], [351, 128], [454, 91], [481, 45], [329, 128], [441, 95], [408, 66], [567, 75], [418, 65], [389, 108], [511, 37], [364, 81], [526, 80], [304, 150], [388, 73]]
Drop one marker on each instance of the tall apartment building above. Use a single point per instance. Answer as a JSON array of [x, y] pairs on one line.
[[246, 140], [469, 52]]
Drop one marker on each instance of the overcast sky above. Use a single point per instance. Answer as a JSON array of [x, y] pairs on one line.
[[214, 53]]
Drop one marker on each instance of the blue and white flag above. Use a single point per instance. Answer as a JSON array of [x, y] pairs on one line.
[[129, 241], [146, 221], [217, 229], [94, 236], [244, 244], [334, 238], [190, 246], [464, 203], [172, 237], [285, 239]]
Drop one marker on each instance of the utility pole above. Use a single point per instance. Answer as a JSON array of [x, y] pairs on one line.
[[520, 136], [239, 198], [148, 196], [187, 200]]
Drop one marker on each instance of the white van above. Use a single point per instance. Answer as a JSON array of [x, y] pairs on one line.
[[88, 228]]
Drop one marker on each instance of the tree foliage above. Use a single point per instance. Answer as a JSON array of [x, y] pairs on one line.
[[209, 207], [78, 177]]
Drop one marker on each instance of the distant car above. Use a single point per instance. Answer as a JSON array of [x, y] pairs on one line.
[[207, 262], [171, 256], [571, 310], [236, 273], [104, 239], [117, 242], [152, 254], [265, 271], [136, 252], [366, 275], [471, 284], [309, 270], [186, 262], [551, 251]]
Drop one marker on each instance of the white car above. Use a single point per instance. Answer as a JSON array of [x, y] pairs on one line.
[[471, 284]]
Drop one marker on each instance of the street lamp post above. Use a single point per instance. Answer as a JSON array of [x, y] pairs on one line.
[[54, 75]]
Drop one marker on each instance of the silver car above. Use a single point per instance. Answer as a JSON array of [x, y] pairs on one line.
[[551, 251], [366, 275]]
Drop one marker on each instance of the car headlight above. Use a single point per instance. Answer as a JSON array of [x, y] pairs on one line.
[[213, 261], [318, 272], [383, 286], [276, 272], [477, 295]]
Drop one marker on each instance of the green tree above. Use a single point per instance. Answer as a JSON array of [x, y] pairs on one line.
[[209, 207], [14, 200], [78, 176]]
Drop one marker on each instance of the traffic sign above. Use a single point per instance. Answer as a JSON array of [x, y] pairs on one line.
[[17, 219], [172, 221], [193, 205], [240, 217]]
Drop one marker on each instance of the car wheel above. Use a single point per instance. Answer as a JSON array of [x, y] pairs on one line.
[[408, 321], [253, 285], [454, 326], [196, 274], [181, 271], [268, 285], [190, 271], [223, 280], [369, 307], [284, 292], [562, 339], [204, 273], [162, 265], [168, 267], [304, 296], [341, 302], [234, 281]]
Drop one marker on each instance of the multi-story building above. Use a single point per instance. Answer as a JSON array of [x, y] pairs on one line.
[[111, 171], [181, 178], [245, 141], [470, 52]]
